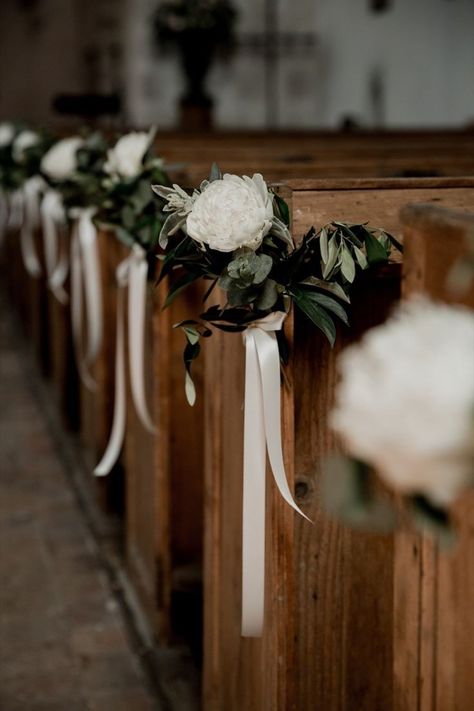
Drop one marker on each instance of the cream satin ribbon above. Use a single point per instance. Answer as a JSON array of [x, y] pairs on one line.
[[53, 217], [3, 215], [85, 272], [30, 222], [131, 273], [262, 432], [15, 210]]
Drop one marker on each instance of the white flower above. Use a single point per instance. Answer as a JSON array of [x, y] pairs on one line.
[[405, 404], [125, 159], [7, 134], [24, 140], [232, 212], [60, 162]]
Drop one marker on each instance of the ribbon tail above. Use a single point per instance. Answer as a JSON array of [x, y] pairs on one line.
[[56, 266], [253, 518], [117, 433], [136, 337], [27, 242], [269, 362], [92, 286], [76, 312], [3, 216]]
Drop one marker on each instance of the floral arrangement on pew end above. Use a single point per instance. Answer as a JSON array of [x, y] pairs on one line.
[[75, 167], [21, 151], [234, 233], [405, 412], [128, 206]]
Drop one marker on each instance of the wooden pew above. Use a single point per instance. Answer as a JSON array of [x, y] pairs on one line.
[[434, 590], [330, 637]]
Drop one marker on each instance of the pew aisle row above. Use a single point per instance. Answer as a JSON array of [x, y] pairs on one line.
[[352, 619]]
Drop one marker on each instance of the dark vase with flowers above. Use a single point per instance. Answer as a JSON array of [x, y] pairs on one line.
[[198, 30]]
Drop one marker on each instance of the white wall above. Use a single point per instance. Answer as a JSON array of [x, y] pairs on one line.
[[423, 49], [422, 52]]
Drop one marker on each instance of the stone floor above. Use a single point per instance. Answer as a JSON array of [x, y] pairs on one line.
[[64, 641]]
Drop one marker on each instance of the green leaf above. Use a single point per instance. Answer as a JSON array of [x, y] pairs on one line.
[[268, 296], [282, 209], [192, 334], [315, 313], [376, 252], [347, 265], [189, 388], [331, 286], [215, 173], [326, 302], [361, 258], [180, 285], [323, 245], [333, 252]]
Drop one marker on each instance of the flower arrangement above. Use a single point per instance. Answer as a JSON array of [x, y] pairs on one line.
[[75, 166], [405, 409], [21, 151], [234, 233], [128, 206]]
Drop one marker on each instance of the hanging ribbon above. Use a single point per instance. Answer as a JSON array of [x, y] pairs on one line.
[[30, 223], [131, 273], [85, 272], [3, 215], [53, 216], [15, 210], [262, 433]]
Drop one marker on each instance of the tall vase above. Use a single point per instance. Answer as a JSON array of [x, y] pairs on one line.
[[197, 51]]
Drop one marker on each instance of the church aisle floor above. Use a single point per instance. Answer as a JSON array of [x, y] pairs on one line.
[[64, 643]]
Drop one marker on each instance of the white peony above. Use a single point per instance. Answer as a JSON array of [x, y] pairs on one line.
[[232, 212], [24, 140], [60, 162], [405, 403], [7, 134], [125, 159]]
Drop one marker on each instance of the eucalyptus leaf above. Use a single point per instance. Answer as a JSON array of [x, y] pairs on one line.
[[189, 389], [361, 258], [347, 265], [333, 253], [323, 245], [315, 313], [268, 296], [331, 286]]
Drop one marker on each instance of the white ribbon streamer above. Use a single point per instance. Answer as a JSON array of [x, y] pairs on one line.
[[30, 222], [15, 210], [131, 273], [262, 432], [85, 272], [53, 218], [3, 215]]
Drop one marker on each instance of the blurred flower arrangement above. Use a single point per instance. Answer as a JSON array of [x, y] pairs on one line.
[[234, 233], [405, 409], [128, 206], [21, 151], [75, 166]]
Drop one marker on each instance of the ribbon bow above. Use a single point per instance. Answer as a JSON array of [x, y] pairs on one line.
[[53, 216], [262, 433], [131, 273], [26, 203], [85, 271]]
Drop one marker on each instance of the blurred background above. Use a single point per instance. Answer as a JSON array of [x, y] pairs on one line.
[[261, 64]]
